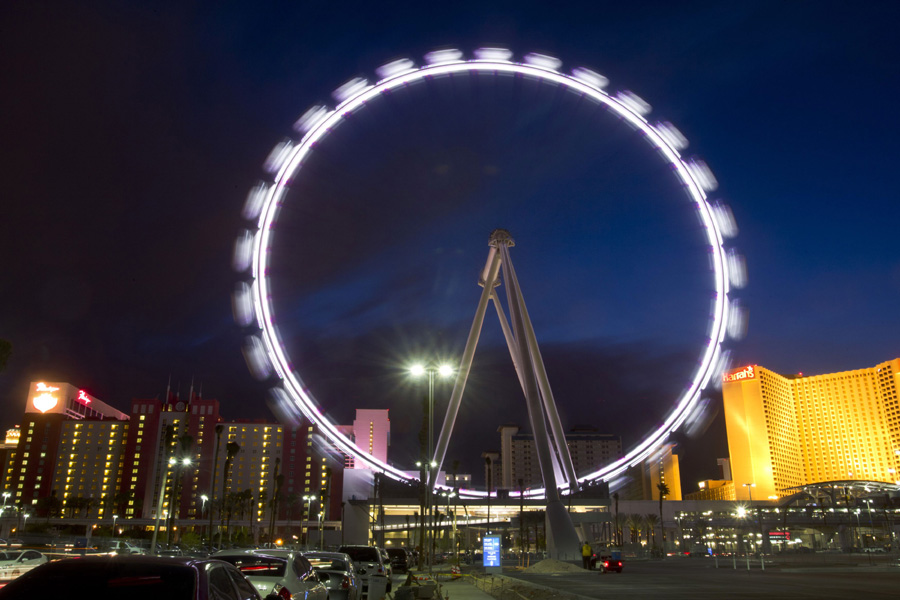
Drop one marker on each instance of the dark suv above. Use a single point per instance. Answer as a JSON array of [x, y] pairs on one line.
[[399, 559]]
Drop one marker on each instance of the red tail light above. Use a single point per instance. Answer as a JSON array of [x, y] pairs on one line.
[[284, 593], [345, 583], [605, 564]]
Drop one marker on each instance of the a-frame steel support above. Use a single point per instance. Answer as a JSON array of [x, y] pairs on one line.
[[552, 450]]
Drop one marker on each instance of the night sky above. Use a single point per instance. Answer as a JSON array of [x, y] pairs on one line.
[[130, 133]]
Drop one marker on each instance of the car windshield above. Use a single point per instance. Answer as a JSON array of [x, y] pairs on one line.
[[257, 566], [105, 582], [9, 555], [362, 553]]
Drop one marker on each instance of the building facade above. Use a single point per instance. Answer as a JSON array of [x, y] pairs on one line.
[[786, 431], [588, 448], [75, 456]]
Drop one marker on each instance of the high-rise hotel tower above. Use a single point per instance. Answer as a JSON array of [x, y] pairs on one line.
[[791, 430]]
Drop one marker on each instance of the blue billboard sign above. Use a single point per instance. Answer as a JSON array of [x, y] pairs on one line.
[[491, 550]]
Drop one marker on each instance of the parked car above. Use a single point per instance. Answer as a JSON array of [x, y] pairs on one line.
[[15, 562], [123, 547], [370, 567], [400, 560], [343, 581], [286, 573], [134, 577]]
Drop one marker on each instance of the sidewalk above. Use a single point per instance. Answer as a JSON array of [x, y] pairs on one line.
[[462, 589], [449, 588]]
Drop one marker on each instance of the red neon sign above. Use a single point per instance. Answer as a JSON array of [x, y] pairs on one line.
[[748, 372], [83, 397]]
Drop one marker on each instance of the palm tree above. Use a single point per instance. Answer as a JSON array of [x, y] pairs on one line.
[[618, 535], [278, 478], [5, 352], [663, 492], [638, 524], [291, 502], [650, 519], [231, 449], [182, 457]]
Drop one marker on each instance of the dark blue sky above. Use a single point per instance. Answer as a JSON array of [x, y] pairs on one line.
[[132, 134]]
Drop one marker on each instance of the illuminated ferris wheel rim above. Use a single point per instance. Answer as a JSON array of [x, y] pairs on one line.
[[287, 159]]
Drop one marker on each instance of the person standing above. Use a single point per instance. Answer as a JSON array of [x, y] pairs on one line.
[[586, 553]]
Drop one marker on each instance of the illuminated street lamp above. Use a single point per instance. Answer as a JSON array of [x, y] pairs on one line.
[[162, 495], [448, 495], [762, 563], [309, 498], [115, 518], [444, 371]]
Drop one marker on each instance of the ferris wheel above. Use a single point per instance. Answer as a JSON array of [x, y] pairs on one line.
[[254, 309]]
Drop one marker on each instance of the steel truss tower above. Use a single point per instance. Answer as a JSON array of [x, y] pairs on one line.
[[553, 453]]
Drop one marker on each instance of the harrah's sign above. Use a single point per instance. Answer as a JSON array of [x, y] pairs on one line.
[[745, 373]]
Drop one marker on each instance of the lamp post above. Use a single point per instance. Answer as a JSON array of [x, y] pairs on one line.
[[309, 498], [868, 502], [203, 499], [162, 495], [448, 495], [762, 564], [740, 513], [444, 371], [115, 518]]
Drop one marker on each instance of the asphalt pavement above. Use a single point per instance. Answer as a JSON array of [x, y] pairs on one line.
[[699, 579]]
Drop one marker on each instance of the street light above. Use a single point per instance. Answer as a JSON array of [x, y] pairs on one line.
[[448, 495], [417, 370], [750, 487], [115, 517], [309, 498], [162, 495]]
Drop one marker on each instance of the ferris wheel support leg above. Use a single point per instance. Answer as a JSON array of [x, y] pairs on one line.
[[489, 277], [563, 542], [559, 436], [514, 354], [510, 339]]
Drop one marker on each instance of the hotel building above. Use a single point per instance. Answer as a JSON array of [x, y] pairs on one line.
[[77, 456], [589, 450], [786, 431]]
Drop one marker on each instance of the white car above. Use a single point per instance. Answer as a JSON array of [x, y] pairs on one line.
[[370, 567], [285, 573], [123, 547], [15, 562]]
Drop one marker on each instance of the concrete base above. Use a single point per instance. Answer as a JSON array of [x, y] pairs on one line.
[[562, 540]]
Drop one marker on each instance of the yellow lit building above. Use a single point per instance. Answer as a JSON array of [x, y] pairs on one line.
[[89, 465], [787, 431], [713, 489]]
